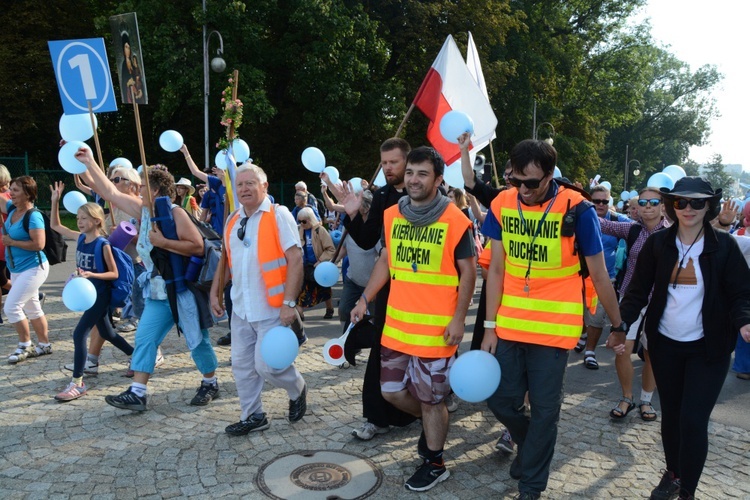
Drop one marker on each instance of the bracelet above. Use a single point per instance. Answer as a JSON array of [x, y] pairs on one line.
[[490, 324], [365, 299]]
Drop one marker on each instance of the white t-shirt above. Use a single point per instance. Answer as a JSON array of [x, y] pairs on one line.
[[683, 316]]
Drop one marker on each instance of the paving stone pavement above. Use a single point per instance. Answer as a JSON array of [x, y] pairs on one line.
[[88, 449]]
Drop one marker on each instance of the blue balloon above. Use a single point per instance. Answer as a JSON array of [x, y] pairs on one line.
[[336, 237], [77, 127], [660, 180], [73, 200], [279, 347], [633, 194], [314, 160], [475, 376], [454, 123], [327, 274], [625, 196], [170, 141], [676, 172], [79, 294], [67, 159], [241, 150], [606, 184], [558, 173], [121, 163]]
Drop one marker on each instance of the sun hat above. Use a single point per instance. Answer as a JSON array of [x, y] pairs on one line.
[[693, 187], [186, 183]]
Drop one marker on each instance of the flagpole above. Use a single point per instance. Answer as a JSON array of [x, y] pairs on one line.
[[149, 199], [494, 166], [398, 132]]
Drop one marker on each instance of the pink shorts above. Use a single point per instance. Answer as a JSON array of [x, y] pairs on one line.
[[425, 378]]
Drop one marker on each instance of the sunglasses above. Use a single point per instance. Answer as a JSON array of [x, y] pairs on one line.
[[654, 202], [303, 221], [117, 180], [241, 230], [696, 204], [600, 202], [529, 183]]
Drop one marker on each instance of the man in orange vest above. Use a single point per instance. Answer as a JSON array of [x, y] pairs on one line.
[[264, 258], [539, 229], [429, 261]]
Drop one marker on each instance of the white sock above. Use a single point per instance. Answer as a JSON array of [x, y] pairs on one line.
[[138, 389], [24, 344], [42, 344], [646, 396], [93, 359], [213, 380]]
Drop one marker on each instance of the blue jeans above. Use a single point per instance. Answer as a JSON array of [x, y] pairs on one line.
[[539, 370], [155, 323]]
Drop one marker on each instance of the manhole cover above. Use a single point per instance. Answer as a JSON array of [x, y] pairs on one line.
[[324, 475]]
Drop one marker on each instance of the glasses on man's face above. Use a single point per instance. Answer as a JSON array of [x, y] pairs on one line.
[[117, 180], [682, 203], [529, 183], [241, 230], [600, 202], [654, 202]]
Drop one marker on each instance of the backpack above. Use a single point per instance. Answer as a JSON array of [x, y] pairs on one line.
[[211, 254], [122, 286], [633, 233], [55, 247]]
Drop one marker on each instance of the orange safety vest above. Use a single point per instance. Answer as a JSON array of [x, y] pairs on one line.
[[424, 282], [486, 256], [270, 254], [550, 311]]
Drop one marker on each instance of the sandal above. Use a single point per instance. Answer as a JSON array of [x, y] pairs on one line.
[[649, 414], [618, 412], [589, 360]]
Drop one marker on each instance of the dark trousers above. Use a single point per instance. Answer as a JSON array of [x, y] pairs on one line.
[[541, 371], [478, 335], [374, 407], [688, 389], [97, 315]]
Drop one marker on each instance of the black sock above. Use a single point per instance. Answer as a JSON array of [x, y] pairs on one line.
[[435, 457]]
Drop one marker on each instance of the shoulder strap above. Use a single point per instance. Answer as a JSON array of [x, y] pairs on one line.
[[26, 218], [101, 267]]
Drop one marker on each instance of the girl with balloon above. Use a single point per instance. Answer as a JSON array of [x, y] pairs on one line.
[[28, 267], [90, 221]]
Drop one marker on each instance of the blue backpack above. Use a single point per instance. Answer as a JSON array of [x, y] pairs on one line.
[[123, 285]]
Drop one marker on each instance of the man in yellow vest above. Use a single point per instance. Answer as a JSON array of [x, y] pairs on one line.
[[540, 230], [429, 261], [264, 258]]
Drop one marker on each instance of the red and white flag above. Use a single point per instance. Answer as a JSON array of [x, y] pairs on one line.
[[475, 68], [449, 85]]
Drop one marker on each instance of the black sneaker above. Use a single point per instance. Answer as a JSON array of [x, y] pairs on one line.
[[298, 407], [225, 340], [668, 488], [127, 400], [527, 495], [252, 424], [428, 475], [205, 394]]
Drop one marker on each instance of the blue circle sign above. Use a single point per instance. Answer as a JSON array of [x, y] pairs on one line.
[[83, 75]]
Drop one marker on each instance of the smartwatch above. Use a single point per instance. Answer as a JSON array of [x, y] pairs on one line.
[[621, 329], [289, 303]]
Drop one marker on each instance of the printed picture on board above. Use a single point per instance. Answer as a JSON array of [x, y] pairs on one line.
[[129, 58]]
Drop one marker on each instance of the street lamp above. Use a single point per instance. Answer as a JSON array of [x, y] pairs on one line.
[[218, 65], [635, 172], [550, 139]]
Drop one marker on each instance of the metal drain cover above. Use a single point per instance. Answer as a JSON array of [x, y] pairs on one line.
[[322, 474]]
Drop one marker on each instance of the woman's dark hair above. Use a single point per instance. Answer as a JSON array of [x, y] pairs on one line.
[[159, 178], [28, 184]]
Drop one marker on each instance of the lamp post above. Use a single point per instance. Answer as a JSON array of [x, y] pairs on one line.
[[549, 140], [627, 168], [218, 65]]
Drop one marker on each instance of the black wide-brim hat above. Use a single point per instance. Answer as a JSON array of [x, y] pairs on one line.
[[693, 187]]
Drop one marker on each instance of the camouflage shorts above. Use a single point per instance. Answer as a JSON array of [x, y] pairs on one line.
[[425, 378]]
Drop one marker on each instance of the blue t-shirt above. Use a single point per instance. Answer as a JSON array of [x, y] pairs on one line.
[[588, 231], [86, 260], [18, 259], [610, 243], [307, 247], [213, 200], [296, 210]]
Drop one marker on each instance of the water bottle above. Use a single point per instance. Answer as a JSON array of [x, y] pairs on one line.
[[193, 269]]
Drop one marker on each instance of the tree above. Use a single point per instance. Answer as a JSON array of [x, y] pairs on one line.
[[715, 174]]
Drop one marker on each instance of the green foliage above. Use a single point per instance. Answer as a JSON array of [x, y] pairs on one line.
[[716, 175]]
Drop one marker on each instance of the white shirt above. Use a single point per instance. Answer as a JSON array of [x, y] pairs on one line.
[[249, 300], [683, 316]]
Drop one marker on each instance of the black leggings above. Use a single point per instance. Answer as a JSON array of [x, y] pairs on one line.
[[97, 315], [689, 386]]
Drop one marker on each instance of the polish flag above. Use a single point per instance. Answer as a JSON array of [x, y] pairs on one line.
[[449, 85], [475, 68]]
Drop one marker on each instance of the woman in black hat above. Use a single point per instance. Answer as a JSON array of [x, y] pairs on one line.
[[701, 297]]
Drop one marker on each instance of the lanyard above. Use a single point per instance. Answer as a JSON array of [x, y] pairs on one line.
[[538, 230]]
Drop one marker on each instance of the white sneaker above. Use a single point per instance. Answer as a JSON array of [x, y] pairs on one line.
[[130, 325], [451, 402], [89, 368], [368, 431], [159, 358]]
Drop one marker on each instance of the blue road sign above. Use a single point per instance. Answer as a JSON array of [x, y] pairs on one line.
[[83, 75]]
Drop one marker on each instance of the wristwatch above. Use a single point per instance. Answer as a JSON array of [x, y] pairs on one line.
[[289, 303], [620, 329]]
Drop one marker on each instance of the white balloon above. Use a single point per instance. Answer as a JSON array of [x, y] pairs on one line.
[[620, 204], [120, 162], [221, 159], [333, 174], [633, 194], [380, 179], [77, 127], [356, 184], [676, 172], [170, 141], [67, 159], [241, 150], [73, 200], [606, 184], [624, 196]]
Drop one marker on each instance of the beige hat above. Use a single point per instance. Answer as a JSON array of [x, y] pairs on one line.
[[187, 184]]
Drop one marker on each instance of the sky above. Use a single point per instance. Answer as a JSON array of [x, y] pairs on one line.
[[715, 33]]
